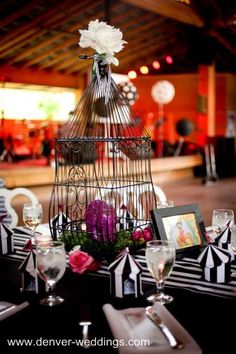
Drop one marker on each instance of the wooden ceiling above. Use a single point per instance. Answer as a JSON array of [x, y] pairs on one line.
[[40, 37]]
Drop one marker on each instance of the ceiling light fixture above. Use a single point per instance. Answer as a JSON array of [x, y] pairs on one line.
[[156, 65], [169, 59], [132, 74], [144, 70]]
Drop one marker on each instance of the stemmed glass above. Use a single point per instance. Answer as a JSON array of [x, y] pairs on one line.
[[166, 204], [160, 257], [32, 217], [220, 219], [51, 265]]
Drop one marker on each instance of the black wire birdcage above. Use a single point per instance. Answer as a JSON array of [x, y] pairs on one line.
[[103, 180]]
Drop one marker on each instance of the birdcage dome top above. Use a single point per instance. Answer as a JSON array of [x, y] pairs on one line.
[[103, 111]]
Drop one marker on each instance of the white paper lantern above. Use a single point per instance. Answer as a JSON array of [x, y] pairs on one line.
[[163, 92]]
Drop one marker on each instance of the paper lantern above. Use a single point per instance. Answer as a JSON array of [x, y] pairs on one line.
[[163, 92], [129, 91], [184, 127]]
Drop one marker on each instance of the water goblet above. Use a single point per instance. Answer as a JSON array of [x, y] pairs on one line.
[[160, 258], [220, 219], [167, 204], [43, 239], [32, 217], [51, 265]]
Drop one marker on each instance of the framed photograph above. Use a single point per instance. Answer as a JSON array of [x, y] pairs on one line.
[[182, 224]]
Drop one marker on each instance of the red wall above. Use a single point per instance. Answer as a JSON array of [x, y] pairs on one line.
[[183, 105]]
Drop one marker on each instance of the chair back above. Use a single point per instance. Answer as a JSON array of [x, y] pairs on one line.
[[6, 197]]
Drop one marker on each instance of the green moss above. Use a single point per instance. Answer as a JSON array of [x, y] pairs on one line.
[[100, 250]]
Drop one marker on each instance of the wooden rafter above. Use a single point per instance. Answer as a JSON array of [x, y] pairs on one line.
[[41, 37], [170, 8], [21, 12], [41, 44]]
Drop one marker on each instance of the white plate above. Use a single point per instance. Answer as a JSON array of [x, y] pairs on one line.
[[132, 324]]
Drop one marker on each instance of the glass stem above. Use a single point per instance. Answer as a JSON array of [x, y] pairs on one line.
[[160, 287], [51, 288], [33, 235]]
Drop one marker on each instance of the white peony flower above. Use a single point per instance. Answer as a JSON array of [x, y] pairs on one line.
[[104, 39]]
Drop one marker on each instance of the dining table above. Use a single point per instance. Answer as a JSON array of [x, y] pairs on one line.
[[206, 310]]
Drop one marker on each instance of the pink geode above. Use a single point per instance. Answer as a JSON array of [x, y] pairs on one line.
[[101, 220]]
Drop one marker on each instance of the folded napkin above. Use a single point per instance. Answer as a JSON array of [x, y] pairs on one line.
[[132, 324], [8, 309]]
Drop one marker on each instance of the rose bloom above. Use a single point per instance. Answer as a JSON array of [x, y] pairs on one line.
[[81, 261], [104, 39], [144, 234]]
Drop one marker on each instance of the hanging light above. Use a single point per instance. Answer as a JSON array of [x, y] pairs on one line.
[[156, 65], [144, 70], [169, 59], [132, 74]]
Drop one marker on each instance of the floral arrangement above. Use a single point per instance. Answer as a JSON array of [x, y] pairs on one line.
[[87, 249], [106, 40]]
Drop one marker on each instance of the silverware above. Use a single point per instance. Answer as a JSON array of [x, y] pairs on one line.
[[85, 322], [156, 319], [85, 330]]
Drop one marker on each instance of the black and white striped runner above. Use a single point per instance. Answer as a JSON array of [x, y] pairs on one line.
[[186, 274]]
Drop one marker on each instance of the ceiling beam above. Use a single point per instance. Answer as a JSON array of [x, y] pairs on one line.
[[231, 48], [43, 43], [214, 22], [170, 8], [21, 12]]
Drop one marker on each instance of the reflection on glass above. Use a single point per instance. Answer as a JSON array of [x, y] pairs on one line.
[[32, 216], [51, 265], [160, 257]]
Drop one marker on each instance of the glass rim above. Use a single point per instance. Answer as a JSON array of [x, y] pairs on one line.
[[32, 204], [53, 244], [167, 203], [164, 242], [223, 210]]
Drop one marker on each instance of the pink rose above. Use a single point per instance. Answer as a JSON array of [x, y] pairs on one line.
[[137, 234], [81, 261], [145, 234]]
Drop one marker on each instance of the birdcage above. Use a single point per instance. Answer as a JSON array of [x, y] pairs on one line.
[[103, 182]]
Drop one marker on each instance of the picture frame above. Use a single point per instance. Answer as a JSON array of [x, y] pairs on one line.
[[183, 224]]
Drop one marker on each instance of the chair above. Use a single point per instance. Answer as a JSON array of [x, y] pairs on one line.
[[6, 197]]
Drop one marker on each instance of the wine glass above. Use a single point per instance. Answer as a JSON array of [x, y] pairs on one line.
[[166, 204], [220, 219], [160, 257], [32, 217], [51, 265]]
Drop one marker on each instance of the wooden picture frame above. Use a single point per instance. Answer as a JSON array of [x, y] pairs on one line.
[[182, 224]]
